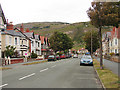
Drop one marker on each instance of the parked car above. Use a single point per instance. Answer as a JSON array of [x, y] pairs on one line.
[[51, 58], [75, 56], [86, 59], [58, 57], [63, 56]]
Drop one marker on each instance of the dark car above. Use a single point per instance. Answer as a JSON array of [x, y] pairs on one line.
[[63, 56], [58, 57], [86, 59], [51, 58]]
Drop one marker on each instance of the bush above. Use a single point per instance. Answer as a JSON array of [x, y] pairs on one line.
[[111, 54], [33, 55], [117, 54]]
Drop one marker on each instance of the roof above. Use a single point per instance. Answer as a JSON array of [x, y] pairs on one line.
[[13, 33], [2, 14], [29, 34], [42, 39], [115, 33]]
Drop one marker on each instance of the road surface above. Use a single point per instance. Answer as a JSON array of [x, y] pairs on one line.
[[65, 73]]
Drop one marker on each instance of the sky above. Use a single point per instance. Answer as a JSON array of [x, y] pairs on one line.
[[23, 11]]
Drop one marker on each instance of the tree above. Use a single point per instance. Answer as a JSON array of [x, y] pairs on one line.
[[103, 14], [10, 50], [60, 42], [95, 40]]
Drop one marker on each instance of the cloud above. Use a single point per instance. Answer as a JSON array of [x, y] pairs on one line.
[[70, 11]]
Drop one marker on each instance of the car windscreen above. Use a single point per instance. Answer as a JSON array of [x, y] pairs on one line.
[[51, 56], [87, 57]]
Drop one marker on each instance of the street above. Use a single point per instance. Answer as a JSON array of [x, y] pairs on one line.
[[65, 73]]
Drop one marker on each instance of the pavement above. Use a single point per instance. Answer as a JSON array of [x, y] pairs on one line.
[[65, 73], [111, 65]]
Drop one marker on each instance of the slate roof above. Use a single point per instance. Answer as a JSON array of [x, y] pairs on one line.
[[37, 36], [29, 34], [13, 33]]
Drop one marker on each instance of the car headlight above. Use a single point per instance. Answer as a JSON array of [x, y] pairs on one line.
[[91, 60], [81, 60]]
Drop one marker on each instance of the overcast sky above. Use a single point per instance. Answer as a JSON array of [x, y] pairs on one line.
[[23, 11]]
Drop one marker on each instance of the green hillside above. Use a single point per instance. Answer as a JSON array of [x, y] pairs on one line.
[[75, 30]]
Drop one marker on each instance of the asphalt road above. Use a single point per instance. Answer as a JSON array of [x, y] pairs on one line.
[[113, 66], [65, 73]]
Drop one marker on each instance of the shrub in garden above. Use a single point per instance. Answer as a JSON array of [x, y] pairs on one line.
[[33, 55]]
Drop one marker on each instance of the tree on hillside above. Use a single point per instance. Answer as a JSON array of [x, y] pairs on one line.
[[103, 14], [95, 40], [60, 42]]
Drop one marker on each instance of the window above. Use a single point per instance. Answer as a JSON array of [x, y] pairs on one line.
[[111, 43], [10, 40], [38, 44], [22, 42], [15, 41], [115, 51], [115, 41]]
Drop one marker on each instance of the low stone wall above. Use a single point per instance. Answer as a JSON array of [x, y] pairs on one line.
[[19, 60], [113, 58]]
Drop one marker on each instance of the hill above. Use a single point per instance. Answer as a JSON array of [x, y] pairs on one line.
[[75, 30]]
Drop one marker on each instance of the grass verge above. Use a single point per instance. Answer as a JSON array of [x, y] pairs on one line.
[[4, 68], [109, 79], [34, 62]]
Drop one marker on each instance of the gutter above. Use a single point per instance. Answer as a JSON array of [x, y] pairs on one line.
[[103, 87]]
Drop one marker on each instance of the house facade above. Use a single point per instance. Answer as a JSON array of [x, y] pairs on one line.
[[105, 42], [115, 41], [16, 39], [35, 44], [111, 41], [2, 27]]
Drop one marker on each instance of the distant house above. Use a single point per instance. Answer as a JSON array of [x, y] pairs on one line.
[[2, 26], [115, 40], [45, 46], [105, 42], [38, 44]]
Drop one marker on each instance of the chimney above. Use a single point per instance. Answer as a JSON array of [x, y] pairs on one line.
[[22, 28], [10, 26]]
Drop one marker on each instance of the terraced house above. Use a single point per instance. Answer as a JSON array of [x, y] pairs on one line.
[[2, 26], [111, 41], [115, 40], [35, 45], [15, 38]]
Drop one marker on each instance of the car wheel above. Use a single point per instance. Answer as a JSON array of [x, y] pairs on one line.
[[81, 64]]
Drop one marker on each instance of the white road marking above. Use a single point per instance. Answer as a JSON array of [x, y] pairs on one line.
[[43, 70], [3, 85], [27, 76], [53, 66]]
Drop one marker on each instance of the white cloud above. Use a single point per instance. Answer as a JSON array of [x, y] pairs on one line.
[[70, 11]]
